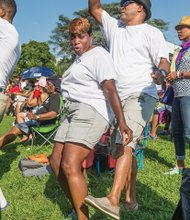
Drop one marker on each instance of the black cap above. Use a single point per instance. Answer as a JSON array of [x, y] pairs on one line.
[[146, 4], [54, 79]]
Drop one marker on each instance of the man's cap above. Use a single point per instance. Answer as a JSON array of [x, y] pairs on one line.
[[146, 4], [54, 79], [185, 21]]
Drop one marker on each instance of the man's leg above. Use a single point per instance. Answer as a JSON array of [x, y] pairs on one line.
[[122, 172], [9, 136], [138, 110], [20, 118], [3, 101], [130, 198], [154, 125], [8, 106]]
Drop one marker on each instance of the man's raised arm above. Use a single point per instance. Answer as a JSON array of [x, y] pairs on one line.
[[95, 9]]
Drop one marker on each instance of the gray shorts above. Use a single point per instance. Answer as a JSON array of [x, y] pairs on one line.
[[82, 124], [3, 102], [137, 108]]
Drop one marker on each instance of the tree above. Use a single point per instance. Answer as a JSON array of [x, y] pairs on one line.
[[35, 54], [60, 35]]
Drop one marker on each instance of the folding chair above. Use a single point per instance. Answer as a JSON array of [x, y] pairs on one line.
[[140, 150], [47, 132]]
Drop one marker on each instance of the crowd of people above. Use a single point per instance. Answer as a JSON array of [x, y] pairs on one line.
[[115, 90]]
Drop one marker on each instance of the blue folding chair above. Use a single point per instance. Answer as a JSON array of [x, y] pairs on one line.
[[140, 150]]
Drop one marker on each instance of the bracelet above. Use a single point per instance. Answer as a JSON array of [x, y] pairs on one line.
[[163, 72], [181, 75]]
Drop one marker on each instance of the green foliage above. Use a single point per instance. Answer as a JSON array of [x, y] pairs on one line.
[[32, 198], [35, 54], [159, 23]]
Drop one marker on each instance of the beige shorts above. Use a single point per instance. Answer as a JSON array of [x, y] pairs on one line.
[[137, 108], [83, 124], [3, 102]]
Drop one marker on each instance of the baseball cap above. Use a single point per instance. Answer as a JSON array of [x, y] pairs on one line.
[[41, 82], [54, 79]]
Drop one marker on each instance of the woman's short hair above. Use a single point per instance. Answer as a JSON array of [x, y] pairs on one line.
[[79, 26]]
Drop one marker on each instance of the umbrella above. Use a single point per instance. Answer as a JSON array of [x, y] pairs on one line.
[[36, 72]]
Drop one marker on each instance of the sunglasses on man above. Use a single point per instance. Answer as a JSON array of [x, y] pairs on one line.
[[126, 3]]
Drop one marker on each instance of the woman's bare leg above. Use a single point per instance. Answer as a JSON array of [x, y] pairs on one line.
[[73, 156]]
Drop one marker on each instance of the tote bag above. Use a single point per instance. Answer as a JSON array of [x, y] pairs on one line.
[[168, 97]]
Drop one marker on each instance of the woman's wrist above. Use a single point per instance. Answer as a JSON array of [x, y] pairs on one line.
[[180, 75]]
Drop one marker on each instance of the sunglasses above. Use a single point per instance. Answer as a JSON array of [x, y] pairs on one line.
[[180, 27], [126, 3]]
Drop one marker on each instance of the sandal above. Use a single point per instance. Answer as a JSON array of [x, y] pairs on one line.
[[153, 137]]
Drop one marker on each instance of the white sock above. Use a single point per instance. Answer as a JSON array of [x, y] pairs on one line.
[[3, 201]]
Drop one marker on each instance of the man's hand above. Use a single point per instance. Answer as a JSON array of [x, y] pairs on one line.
[[157, 77], [126, 134]]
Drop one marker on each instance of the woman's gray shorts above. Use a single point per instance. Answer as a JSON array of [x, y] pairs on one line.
[[82, 124]]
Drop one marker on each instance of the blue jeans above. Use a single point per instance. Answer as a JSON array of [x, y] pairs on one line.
[[181, 124], [25, 126]]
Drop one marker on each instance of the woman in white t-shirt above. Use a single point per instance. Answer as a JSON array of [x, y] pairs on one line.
[[88, 88]]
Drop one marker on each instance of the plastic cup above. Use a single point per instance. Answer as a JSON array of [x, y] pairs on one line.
[[37, 93]]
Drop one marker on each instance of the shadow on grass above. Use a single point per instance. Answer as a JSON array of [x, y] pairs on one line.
[[56, 195], [154, 207], [10, 155], [154, 156], [6, 159]]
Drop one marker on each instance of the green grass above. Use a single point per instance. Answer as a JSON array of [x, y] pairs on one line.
[[32, 198]]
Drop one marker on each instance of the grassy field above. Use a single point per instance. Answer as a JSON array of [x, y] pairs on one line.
[[32, 198]]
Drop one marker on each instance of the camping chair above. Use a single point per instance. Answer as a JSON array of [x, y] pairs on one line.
[[47, 132], [140, 150]]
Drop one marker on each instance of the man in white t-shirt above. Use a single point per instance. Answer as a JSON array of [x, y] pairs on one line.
[[9, 47], [10, 51], [136, 49]]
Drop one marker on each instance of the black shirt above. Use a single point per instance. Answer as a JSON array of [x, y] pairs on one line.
[[52, 103]]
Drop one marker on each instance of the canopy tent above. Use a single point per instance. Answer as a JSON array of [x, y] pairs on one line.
[[36, 72]]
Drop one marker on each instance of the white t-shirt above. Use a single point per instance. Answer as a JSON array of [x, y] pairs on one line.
[[82, 81], [135, 51], [10, 51]]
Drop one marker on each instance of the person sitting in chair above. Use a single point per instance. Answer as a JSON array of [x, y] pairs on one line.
[[43, 114], [36, 98]]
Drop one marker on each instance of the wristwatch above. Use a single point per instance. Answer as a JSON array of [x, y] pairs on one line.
[[163, 72], [37, 117]]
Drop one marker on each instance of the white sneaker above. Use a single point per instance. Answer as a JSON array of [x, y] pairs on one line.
[[174, 171]]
